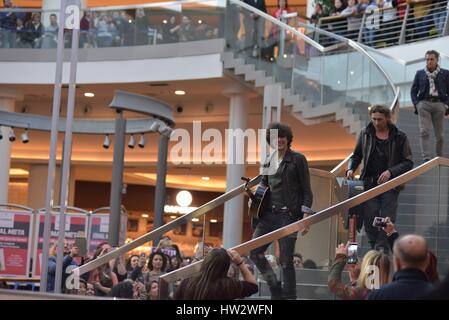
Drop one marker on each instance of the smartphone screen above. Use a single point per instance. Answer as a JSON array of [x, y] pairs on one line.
[[352, 249]]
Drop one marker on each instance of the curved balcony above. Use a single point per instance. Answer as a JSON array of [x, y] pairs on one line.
[[183, 40]]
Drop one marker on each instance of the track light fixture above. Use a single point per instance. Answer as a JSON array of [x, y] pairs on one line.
[[12, 135], [106, 142], [131, 142], [24, 136], [142, 141]]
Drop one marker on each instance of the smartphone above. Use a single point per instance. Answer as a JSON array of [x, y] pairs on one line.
[[352, 253], [81, 243]]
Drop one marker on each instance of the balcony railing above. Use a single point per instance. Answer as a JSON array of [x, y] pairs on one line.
[[388, 26]]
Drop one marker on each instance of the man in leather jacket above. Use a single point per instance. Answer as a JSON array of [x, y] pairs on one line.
[[385, 153], [430, 96], [289, 199]]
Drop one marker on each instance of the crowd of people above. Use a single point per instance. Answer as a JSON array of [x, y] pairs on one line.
[[101, 29], [383, 19], [138, 276]]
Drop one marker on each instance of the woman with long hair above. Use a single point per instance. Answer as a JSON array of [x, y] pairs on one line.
[[212, 281], [373, 261]]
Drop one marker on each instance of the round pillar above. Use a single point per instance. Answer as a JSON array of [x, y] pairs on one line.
[[233, 209]]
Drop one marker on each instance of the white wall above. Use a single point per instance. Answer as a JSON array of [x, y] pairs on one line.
[[159, 69]]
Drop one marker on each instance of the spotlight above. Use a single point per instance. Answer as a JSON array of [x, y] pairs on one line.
[[12, 135], [142, 141], [24, 136], [131, 142], [106, 142]]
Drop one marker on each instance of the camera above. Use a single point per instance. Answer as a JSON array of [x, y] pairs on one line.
[[380, 222], [352, 253]]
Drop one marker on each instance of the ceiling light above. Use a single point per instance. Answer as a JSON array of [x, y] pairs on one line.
[[24, 136], [180, 92], [18, 172], [195, 219], [351, 73], [89, 94], [213, 220], [144, 215], [142, 141], [131, 142], [12, 135], [205, 178], [164, 21], [184, 198], [173, 217], [200, 21], [106, 142]]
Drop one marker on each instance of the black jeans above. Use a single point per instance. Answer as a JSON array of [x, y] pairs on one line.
[[270, 221], [384, 205]]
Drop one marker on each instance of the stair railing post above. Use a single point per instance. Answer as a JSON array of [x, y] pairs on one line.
[[404, 26]]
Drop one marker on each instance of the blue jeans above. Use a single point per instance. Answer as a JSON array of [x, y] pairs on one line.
[[269, 222], [384, 205], [7, 38]]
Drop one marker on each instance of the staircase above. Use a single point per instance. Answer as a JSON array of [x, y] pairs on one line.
[[337, 107], [311, 284]]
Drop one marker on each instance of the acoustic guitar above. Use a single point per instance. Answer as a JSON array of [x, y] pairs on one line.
[[257, 200]]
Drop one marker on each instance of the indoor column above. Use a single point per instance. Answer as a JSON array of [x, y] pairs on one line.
[[233, 209]]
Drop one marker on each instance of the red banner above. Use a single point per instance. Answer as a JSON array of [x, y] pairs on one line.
[[75, 226], [15, 234]]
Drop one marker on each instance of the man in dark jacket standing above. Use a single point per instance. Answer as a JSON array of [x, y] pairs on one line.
[[386, 154], [288, 200], [410, 260], [430, 96]]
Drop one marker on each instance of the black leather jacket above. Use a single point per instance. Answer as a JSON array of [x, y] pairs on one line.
[[295, 183], [399, 152]]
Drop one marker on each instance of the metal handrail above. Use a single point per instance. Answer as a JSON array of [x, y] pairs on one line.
[[11, 205], [402, 23], [165, 228], [73, 209], [246, 247]]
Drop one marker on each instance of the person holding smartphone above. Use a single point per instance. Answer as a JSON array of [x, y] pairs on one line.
[[360, 276]]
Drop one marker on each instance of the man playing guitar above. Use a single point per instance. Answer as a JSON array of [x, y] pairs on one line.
[[286, 198]]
